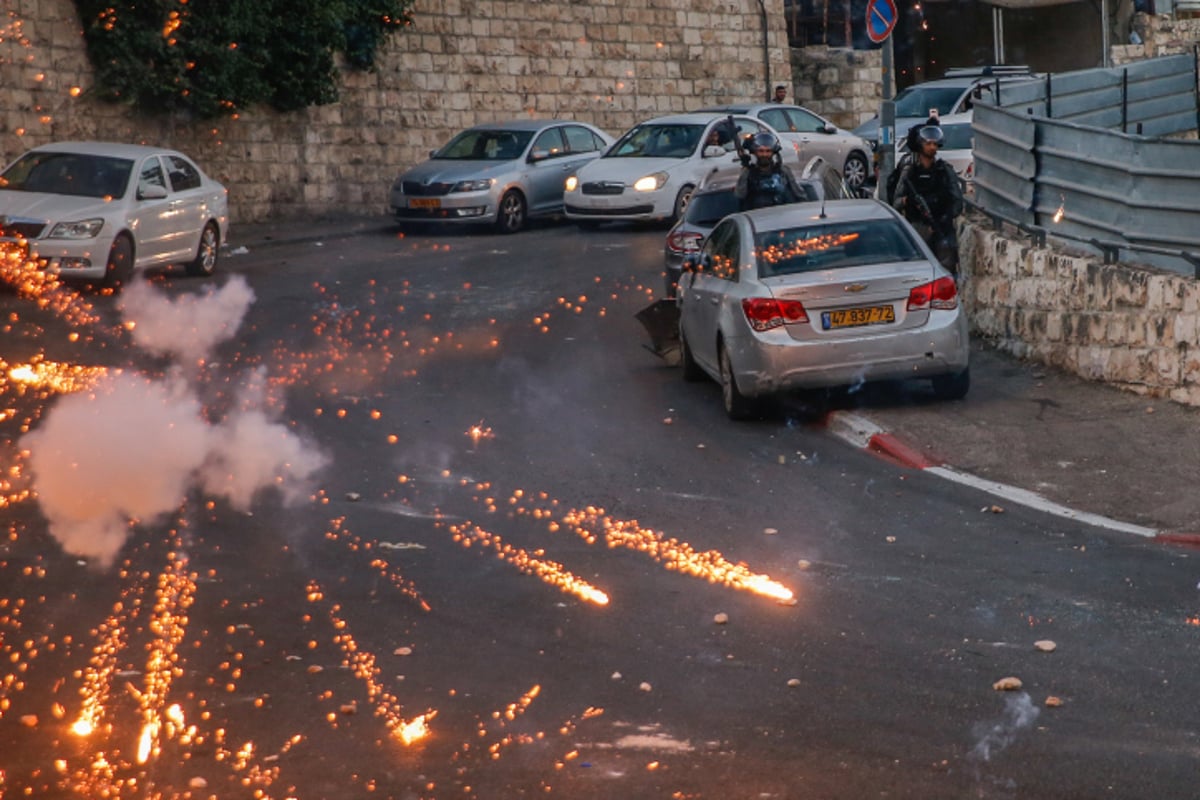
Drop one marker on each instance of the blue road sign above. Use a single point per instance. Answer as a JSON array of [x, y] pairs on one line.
[[881, 18]]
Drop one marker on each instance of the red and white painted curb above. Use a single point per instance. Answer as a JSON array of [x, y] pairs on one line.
[[862, 433]]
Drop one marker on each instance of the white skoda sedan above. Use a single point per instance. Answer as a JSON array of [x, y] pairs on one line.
[[98, 211], [819, 295]]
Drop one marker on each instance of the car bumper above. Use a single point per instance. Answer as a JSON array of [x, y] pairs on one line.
[[774, 362], [465, 207], [85, 259], [628, 206], [672, 269]]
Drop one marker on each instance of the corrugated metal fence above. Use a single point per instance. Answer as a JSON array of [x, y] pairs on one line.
[[1082, 156]]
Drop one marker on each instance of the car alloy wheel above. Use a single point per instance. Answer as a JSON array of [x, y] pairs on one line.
[[855, 171], [737, 405], [205, 262], [119, 267], [511, 216]]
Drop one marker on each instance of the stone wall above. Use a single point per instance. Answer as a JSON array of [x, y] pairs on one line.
[[1161, 35], [1134, 327], [842, 85], [606, 61]]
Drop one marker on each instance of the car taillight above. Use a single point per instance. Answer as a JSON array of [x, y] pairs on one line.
[[941, 294], [765, 313], [681, 242]]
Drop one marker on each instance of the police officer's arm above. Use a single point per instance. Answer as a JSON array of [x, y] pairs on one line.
[[903, 187], [954, 188], [743, 185], [793, 188]]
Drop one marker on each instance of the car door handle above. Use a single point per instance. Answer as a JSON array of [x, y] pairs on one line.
[[714, 300]]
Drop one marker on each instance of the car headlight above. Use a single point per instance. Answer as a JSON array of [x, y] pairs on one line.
[[473, 186], [572, 184], [82, 229], [651, 183]]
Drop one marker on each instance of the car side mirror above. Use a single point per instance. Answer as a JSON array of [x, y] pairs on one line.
[[829, 128], [152, 191]]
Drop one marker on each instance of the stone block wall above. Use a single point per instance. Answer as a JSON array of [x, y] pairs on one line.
[[840, 84], [1129, 326], [608, 62], [1161, 35]]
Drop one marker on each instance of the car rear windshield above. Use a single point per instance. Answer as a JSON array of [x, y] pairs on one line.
[[812, 248], [916, 101], [73, 174], [657, 141], [480, 145]]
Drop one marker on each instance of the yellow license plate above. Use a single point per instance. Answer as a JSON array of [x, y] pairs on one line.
[[424, 202], [853, 317]]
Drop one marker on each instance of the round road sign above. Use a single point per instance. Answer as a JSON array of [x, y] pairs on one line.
[[881, 18]]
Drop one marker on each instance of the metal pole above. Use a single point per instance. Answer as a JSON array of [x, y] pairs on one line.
[[887, 118], [766, 49], [998, 34], [1125, 100], [1104, 60]]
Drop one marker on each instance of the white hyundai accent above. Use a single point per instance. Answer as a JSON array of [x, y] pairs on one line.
[[650, 173], [97, 211]]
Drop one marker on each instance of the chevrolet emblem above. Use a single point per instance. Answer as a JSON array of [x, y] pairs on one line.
[[854, 287]]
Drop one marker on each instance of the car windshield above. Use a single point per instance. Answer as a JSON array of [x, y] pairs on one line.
[[73, 174], [833, 246], [486, 145], [916, 101], [658, 141]]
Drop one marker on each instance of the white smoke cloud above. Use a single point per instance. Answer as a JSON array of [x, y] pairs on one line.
[[133, 448], [189, 326], [250, 452], [127, 450]]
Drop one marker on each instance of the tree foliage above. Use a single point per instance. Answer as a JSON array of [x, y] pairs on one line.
[[215, 57]]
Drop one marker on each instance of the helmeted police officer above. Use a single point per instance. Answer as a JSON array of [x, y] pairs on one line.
[[764, 180], [930, 197]]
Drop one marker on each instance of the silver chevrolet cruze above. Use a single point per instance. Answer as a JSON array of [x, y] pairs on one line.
[[819, 295], [498, 174]]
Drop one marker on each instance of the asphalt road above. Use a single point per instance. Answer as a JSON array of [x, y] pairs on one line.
[[437, 475]]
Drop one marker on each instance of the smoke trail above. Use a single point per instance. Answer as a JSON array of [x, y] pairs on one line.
[[1019, 714]]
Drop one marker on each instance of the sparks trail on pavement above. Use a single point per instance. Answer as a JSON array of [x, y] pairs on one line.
[[128, 683]]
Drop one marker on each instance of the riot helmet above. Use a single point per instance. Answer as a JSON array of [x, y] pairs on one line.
[[931, 134], [765, 147]]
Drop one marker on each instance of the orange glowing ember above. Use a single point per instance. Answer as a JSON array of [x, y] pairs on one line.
[[477, 432]]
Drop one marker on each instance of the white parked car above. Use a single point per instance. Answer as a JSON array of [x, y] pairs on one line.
[[813, 136], [652, 170], [98, 211]]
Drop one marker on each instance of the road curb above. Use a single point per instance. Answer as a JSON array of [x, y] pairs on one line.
[[865, 434]]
